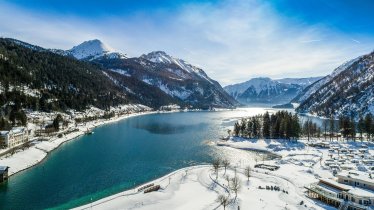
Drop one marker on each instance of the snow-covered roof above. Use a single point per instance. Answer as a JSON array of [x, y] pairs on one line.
[[359, 175], [361, 192], [3, 133], [17, 130], [332, 186], [3, 168], [329, 189], [335, 184]]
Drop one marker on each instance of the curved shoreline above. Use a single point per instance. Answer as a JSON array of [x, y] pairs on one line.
[[131, 198], [268, 151], [129, 192], [133, 190], [47, 153], [57, 142]]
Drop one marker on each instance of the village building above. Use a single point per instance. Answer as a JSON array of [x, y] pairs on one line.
[[340, 195], [16, 136], [356, 179]]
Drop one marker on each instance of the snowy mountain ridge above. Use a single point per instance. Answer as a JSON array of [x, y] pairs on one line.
[[300, 81], [266, 90], [90, 50], [162, 57], [348, 90], [174, 77], [311, 89]]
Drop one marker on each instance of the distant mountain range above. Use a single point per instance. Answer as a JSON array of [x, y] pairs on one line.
[[92, 70], [348, 90], [266, 90], [92, 73]]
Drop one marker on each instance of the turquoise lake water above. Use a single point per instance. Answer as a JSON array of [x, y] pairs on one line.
[[119, 156]]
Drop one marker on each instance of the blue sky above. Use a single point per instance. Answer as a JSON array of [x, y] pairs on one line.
[[232, 40]]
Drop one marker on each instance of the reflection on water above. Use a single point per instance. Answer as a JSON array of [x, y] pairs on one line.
[[168, 128]]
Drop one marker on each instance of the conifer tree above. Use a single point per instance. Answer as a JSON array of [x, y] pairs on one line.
[[332, 126], [361, 127], [368, 125], [266, 126]]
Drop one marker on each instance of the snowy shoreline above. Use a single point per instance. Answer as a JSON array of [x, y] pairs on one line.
[[194, 188], [134, 190], [197, 188], [36, 153]]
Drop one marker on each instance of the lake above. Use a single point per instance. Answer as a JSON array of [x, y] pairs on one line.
[[120, 156]]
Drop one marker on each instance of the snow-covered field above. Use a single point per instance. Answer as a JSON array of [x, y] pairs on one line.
[[197, 187]]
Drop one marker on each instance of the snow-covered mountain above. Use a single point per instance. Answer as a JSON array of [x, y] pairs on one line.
[[349, 89], [311, 89], [90, 50], [163, 58], [266, 90], [300, 81], [155, 79], [173, 76]]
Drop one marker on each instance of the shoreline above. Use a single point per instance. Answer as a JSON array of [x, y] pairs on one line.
[[222, 143], [40, 151], [187, 180], [133, 190]]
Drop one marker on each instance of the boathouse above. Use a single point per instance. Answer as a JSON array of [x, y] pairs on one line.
[[3, 173]]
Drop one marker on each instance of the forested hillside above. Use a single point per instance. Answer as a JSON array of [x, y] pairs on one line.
[[41, 80]]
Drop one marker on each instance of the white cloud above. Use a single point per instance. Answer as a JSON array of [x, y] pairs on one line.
[[232, 40]]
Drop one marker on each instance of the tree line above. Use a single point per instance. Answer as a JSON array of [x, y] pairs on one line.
[[280, 125], [347, 127], [285, 125]]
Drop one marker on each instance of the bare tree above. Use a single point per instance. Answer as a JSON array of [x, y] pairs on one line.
[[247, 172], [229, 132], [223, 200], [225, 164], [216, 164], [227, 178], [235, 185]]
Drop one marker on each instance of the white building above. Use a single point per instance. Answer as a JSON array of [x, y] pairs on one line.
[[356, 179], [14, 137], [341, 196]]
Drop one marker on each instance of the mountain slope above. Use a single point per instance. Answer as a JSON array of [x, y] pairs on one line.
[[266, 90], [311, 89], [348, 90], [184, 82]]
